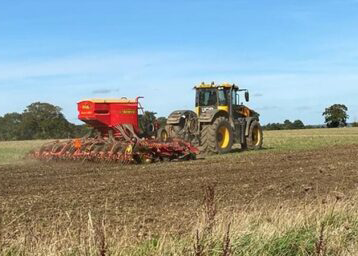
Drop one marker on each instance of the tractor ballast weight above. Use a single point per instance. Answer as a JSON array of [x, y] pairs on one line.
[[219, 120], [119, 136]]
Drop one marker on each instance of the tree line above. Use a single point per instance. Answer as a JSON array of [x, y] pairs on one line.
[[286, 125], [46, 121], [39, 121], [334, 116]]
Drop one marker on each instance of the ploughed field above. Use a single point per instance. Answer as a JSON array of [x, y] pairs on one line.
[[42, 200]]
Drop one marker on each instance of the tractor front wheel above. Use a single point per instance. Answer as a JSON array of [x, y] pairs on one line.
[[162, 135], [217, 137]]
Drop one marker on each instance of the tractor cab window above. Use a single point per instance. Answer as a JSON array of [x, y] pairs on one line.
[[235, 98], [207, 98], [223, 97]]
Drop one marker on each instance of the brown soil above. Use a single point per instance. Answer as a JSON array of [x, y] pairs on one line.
[[168, 196]]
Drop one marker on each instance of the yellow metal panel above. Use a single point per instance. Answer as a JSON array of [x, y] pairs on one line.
[[197, 111], [209, 86], [225, 108], [205, 86], [227, 85]]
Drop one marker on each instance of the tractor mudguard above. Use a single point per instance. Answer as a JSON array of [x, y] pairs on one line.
[[249, 120], [176, 116], [209, 116]]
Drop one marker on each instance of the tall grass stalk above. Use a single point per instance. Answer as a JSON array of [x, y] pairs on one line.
[[314, 229]]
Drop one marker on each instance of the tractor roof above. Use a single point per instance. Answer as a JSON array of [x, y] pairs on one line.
[[213, 85]]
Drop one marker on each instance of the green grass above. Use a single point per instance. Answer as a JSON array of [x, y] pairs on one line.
[[290, 140], [275, 141], [15, 151]]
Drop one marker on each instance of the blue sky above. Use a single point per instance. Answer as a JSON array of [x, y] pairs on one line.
[[295, 57]]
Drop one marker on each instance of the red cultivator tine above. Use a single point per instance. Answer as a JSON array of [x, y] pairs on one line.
[[144, 151], [117, 139]]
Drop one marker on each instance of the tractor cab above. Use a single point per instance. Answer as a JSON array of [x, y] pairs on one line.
[[224, 97]]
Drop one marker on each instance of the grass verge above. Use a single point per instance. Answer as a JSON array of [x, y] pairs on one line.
[[327, 227]]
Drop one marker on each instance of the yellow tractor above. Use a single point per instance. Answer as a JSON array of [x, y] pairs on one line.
[[219, 120]]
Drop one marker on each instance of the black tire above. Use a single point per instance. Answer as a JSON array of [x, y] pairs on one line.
[[150, 130], [173, 130], [212, 141], [244, 146], [255, 138], [162, 135]]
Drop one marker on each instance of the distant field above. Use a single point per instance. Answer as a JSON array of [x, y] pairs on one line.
[[310, 138], [288, 140], [15, 151], [297, 196]]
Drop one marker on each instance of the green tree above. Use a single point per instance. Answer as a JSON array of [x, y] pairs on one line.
[[162, 121], [146, 123], [39, 121], [10, 126], [44, 121], [287, 125], [336, 115], [298, 124], [80, 130], [273, 126]]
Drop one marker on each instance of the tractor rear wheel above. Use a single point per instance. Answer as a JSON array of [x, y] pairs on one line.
[[175, 130], [217, 137], [255, 138]]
